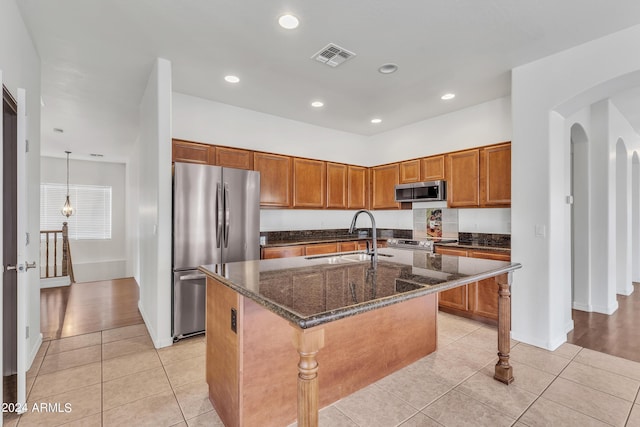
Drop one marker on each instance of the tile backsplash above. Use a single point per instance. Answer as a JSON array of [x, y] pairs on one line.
[[435, 222]]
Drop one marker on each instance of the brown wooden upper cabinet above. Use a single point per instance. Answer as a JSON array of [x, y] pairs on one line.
[[495, 175], [234, 158], [275, 179], [432, 168], [383, 182], [192, 152], [309, 183], [357, 187], [337, 185], [410, 171], [463, 187]]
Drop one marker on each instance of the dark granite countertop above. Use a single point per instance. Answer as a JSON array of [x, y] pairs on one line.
[[477, 245], [313, 240], [310, 291], [309, 237]]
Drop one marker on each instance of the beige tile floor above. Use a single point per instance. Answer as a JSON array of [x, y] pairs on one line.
[[117, 378]]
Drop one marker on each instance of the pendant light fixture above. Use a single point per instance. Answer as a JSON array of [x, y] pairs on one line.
[[67, 209]]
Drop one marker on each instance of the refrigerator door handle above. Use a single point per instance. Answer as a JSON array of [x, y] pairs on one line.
[[218, 215], [193, 276], [227, 215]]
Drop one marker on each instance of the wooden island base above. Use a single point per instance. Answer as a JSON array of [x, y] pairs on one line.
[[253, 374]]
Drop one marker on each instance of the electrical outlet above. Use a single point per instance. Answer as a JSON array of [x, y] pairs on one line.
[[234, 320]]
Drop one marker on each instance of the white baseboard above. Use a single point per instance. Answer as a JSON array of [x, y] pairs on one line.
[[157, 341], [626, 291], [34, 351], [54, 282]]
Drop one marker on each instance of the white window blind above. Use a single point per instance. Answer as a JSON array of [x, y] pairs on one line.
[[91, 217]]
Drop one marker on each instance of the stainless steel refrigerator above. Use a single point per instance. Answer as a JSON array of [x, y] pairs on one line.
[[216, 219]]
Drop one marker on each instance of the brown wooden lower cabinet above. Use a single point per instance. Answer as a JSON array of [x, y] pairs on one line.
[[317, 249], [478, 300], [282, 252], [321, 248], [347, 246]]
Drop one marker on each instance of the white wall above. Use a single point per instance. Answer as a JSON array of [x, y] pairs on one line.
[[211, 122], [20, 68], [153, 158], [94, 259], [483, 124], [542, 97], [495, 220], [621, 130]]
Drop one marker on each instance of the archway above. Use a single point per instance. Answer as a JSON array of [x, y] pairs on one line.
[[580, 219]]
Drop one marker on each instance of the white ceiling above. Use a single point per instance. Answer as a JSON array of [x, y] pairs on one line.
[[97, 55]]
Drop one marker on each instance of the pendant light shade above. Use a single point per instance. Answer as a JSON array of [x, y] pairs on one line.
[[67, 209]]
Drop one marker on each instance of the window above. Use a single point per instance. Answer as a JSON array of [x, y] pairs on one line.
[[91, 217]]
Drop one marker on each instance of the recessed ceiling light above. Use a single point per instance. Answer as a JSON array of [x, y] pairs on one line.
[[96, 155], [388, 68], [376, 121], [448, 96], [317, 104], [288, 22], [232, 79], [58, 130]]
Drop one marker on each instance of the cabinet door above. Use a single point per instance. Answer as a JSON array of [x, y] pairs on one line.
[[309, 183], [410, 171], [234, 158], [357, 187], [384, 180], [282, 252], [457, 298], [321, 248], [192, 152], [432, 168], [275, 179], [495, 178], [347, 246], [483, 295], [336, 185], [463, 183]]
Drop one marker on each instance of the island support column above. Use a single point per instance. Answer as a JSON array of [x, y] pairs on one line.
[[504, 371], [308, 342]]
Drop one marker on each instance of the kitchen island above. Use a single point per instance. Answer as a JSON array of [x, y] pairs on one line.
[[288, 336]]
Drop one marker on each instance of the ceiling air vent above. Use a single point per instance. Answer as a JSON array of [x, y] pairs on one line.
[[333, 55]]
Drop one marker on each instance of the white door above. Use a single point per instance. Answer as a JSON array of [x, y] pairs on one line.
[[25, 270], [21, 241]]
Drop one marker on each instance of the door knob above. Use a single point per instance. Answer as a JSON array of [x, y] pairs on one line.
[[32, 265]]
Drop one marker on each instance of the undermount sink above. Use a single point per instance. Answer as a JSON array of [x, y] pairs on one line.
[[348, 257]]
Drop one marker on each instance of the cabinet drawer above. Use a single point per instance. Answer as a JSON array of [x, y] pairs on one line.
[[282, 252], [321, 248]]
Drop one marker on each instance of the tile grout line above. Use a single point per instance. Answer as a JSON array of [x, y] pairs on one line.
[[633, 404], [173, 391]]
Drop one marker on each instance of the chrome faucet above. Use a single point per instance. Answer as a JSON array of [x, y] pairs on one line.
[[374, 252]]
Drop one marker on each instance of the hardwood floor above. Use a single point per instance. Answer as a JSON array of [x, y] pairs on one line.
[[88, 307], [616, 334]]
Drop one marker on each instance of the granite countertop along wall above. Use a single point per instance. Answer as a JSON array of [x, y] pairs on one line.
[[484, 241], [305, 237]]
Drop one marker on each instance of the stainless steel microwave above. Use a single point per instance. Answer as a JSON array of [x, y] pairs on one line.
[[427, 191]]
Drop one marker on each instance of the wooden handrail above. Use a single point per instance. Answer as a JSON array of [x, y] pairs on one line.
[[67, 265]]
